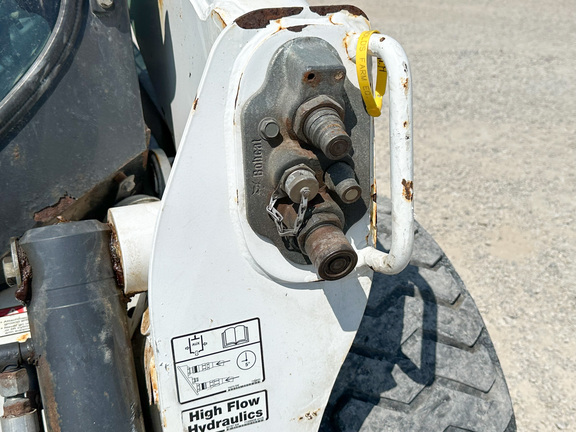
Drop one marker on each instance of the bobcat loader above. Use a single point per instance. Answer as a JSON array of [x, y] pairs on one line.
[[191, 234]]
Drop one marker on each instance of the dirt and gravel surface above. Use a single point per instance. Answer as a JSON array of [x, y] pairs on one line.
[[495, 180]]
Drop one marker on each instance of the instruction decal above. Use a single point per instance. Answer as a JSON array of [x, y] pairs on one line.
[[14, 324], [218, 360], [227, 414]]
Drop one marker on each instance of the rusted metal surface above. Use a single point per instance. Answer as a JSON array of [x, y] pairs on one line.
[[145, 323], [23, 337], [310, 415], [27, 352], [327, 10], [408, 190], [373, 233], [405, 85], [218, 18], [261, 18], [49, 213], [330, 252], [297, 29], [151, 375], [311, 78], [23, 292], [116, 257], [48, 396], [17, 407]]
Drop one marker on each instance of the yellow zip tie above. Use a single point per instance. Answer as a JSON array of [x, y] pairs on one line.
[[373, 102]]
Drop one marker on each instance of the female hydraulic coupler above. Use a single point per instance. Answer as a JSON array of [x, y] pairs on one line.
[[321, 238]]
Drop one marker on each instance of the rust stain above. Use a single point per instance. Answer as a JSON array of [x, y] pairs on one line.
[[382, 39], [373, 214], [152, 377], [237, 94], [21, 407], [345, 42], [195, 104], [116, 257], [261, 18], [297, 29], [405, 84], [23, 338], [405, 124], [51, 212], [219, 18], [146, 153], [48, 397], [408, 189], [16, 153], [310, 415], [312, 78], [327, 10], [145, 324], [160, 4], [23, 292]]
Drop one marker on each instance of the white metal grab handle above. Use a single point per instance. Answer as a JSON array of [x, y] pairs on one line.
[[401, 158]]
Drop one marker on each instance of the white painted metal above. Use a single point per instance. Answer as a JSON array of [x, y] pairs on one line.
[[201, 277], [134, 226], [180, 34], [232, 321], [401, 160]]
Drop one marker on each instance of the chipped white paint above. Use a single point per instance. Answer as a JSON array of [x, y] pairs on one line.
[[401, 159], [216, 286], [134, 228]]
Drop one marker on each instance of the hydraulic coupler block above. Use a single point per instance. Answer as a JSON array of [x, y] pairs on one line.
[[307, 160]]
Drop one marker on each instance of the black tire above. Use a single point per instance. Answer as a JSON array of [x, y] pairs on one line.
[[422, 359]]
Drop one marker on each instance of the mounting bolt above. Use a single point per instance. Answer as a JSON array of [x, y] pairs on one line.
[[9, 271], [14, 383], [269, 128], [10, 265]]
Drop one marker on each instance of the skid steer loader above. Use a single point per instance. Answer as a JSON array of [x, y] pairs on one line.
[[191, 234]]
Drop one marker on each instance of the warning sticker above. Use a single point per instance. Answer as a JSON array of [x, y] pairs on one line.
[[14, 325], [228, 414], [218, 360]]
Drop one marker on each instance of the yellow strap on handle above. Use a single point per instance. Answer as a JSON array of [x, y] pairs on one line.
[[373, 102]]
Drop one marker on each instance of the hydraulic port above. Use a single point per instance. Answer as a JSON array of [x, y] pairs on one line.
[[325, 244], [295, 180], [325, 130], [321, 238], [341, 180], [319, 122]]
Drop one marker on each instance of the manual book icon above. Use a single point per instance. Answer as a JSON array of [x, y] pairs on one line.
[[233, 336]]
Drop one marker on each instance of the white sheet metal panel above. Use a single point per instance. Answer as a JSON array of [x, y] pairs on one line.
[[240, 334]]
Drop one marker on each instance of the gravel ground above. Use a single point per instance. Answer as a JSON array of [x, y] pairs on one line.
[[495, 157]]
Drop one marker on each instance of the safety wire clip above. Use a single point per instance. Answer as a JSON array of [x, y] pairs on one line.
[[278, 219]]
